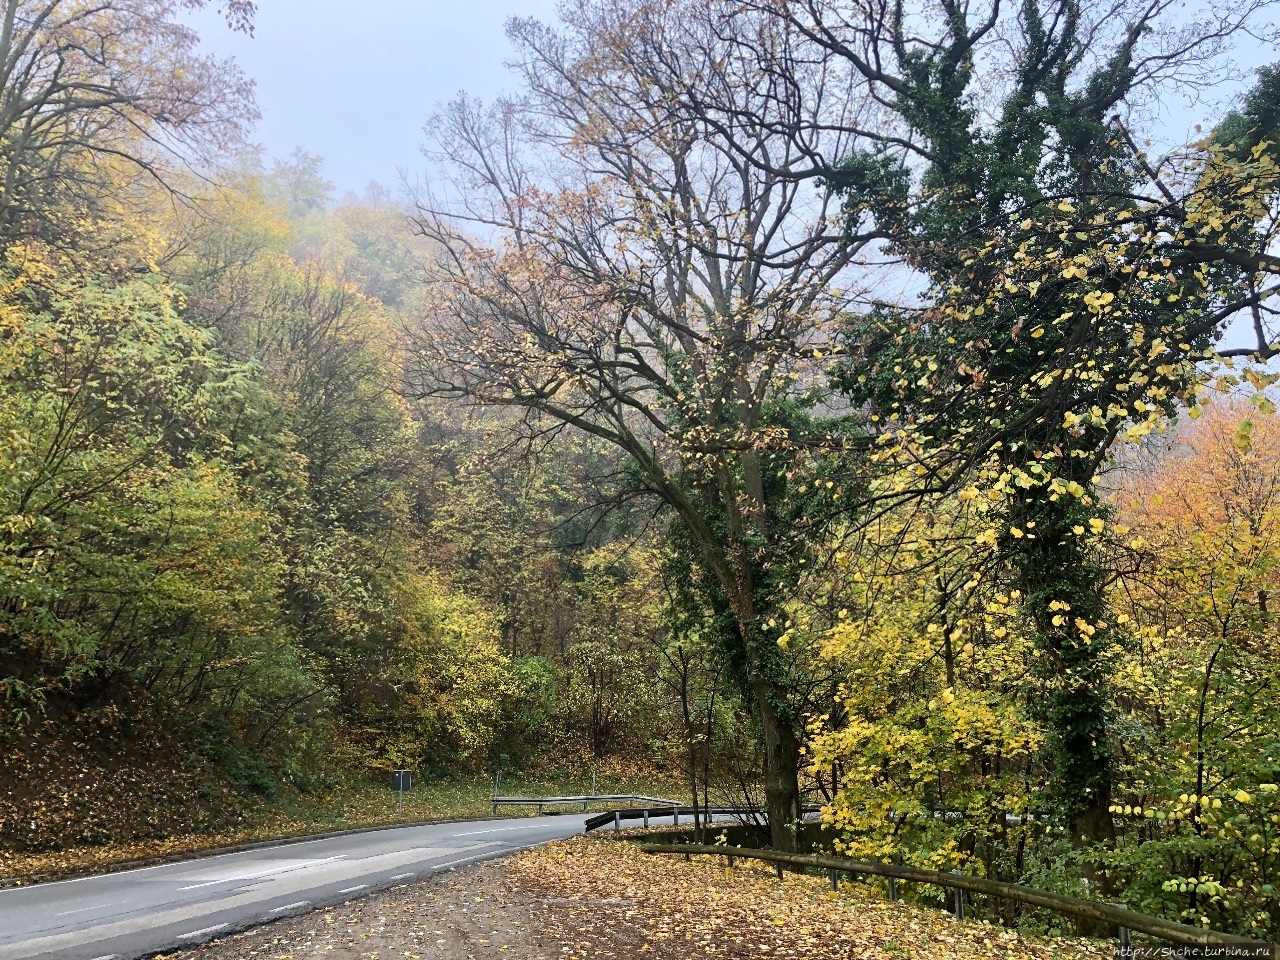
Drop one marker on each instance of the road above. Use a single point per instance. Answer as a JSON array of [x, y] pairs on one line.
[[135, 913]]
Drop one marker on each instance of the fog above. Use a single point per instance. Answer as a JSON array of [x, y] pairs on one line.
[[354, 82]]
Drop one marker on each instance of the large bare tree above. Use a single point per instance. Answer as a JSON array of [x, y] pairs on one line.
[[616, 263]]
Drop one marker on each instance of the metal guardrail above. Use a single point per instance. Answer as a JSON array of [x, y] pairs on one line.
[[585, 800], [1122, 917], [616, 817]]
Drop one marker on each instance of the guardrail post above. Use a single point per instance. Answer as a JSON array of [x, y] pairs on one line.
[[777, 868], [1126, 937], [835, 879], [959, 904], [646, 818], [675, 816], [617, 822], [539, 809], [893, 889]]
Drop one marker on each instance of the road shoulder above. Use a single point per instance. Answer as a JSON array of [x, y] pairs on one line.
[[598, 899]]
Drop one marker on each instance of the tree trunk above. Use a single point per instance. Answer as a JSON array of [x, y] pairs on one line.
[[781, 767]]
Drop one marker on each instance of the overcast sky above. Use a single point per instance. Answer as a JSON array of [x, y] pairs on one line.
[[353, 82]]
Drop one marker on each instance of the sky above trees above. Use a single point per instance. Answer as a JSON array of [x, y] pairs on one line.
[[355, 86], [357, 89]]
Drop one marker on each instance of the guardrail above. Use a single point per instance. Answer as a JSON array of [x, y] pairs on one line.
[[1122, 917], [585, 800], [616, 817]]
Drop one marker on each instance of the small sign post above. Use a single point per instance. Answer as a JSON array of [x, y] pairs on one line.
[[401, 780]]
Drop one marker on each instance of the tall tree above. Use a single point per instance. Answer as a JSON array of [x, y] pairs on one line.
[[1070, 285], [630, 273]]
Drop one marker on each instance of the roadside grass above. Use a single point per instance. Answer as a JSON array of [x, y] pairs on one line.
[[352, 803]]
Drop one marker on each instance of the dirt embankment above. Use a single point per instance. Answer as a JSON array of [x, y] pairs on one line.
[[98, 777]]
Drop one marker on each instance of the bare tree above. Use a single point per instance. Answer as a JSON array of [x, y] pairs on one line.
[[95, 93], [618, 265]]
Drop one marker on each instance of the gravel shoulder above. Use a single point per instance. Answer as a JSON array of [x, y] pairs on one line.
[[598, 899]]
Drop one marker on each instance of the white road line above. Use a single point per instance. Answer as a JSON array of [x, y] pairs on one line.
[[290, 906], [261, 874], [482, 856], [358, 886], [109, 956], [476, 833], [401, 876], [101, 906], [200, 933]]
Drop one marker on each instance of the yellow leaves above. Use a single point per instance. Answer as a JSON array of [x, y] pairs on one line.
[[1074, 272], [1096, 300], [1243, 796], [1243, 438], [1015, 532], [1066, 206], [986, 538], [1096, 525]]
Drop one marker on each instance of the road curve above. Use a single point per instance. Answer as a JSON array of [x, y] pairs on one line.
[[135, 913]]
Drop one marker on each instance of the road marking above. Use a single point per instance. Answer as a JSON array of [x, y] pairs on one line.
[[401, 876], [477, 858], [261, 874], [109, 956], [290, 906], [67, 913], [358, 886], [476, 833], [201, 933]]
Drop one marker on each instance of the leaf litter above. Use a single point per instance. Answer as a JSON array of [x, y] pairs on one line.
[[596, 899]]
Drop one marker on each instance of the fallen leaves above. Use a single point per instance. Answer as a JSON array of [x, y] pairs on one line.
[[596, 899], [675, 909]]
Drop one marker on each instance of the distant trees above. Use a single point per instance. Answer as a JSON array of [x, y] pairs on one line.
[[1198, 540]]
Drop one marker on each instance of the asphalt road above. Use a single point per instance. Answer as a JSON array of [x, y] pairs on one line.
[[135, 913]]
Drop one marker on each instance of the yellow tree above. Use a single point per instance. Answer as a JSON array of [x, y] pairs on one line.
[[1200, 566]]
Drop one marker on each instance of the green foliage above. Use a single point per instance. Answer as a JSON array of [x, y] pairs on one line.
[[131, 555]]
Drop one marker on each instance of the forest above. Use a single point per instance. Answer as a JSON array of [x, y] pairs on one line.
[[788, 403]]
